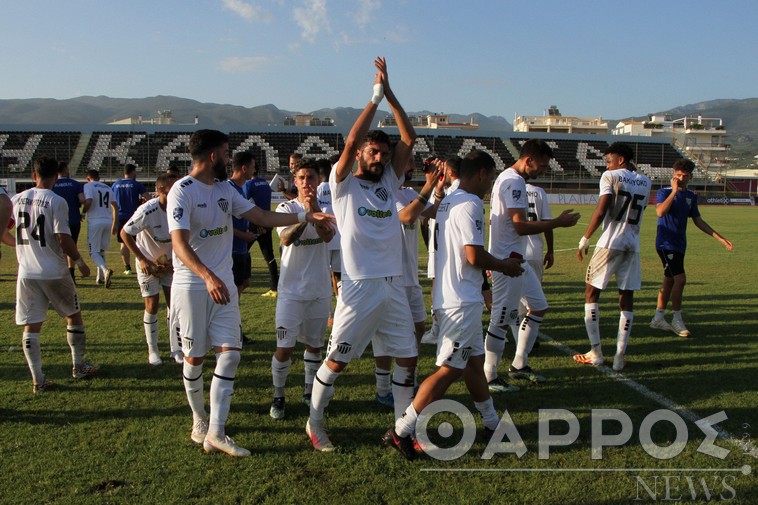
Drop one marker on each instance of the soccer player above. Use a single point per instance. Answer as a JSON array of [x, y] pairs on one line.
[[71, 191], [146, 235], [243, 168], [675, 204], [102, 210], [509, 227], [43, 240], [129, 194], [458, 302], [623, 197], [203, 296], [288, 189], [258, 191], [302, 307], [410, 206], [372, 300]]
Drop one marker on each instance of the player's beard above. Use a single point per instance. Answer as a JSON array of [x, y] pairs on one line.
[[219, 171], [374, 176]]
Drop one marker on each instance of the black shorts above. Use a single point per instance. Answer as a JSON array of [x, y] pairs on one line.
[[673, 262], [75, 229], [241, 268], [118, 231]]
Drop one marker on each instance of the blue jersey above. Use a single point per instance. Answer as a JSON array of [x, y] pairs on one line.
[[258, 191], [239, 246], [672, 227], [128, 192], [69, 190]]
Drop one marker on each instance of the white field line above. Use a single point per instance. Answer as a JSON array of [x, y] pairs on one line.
[[746, 446]]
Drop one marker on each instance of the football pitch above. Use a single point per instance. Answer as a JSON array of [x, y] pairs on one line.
[[123, 436]]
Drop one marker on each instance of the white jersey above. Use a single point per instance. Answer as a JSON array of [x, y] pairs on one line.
[[538, 210], [324, 196], [149, 224], [403, 197], [629, 192], [430, 226], [367, 218], [102, 196], [508, 192], [460, 222], [40, 214], [206, 211], [304, 264]]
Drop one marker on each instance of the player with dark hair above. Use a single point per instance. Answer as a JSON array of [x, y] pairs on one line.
[[509, 227], [101, 209], [72, 191], [146, 235], [674, 205], [129, 194], [43, 240], [304, 300], [623, 197], [458, 301], [372, 301], [204, 299]]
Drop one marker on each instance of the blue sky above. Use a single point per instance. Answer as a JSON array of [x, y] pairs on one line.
[[609, 58]]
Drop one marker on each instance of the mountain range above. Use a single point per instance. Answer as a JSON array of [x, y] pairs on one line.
[[740, 115]]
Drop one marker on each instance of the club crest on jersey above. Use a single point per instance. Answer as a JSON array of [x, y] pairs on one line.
[[178, 213], [689, 202], [223, 204], [383, 194], [516, 194]]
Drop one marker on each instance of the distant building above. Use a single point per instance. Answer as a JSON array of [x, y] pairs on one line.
[[554, 122], [307, 120], [432, 121], [164, 117], [700, 138]]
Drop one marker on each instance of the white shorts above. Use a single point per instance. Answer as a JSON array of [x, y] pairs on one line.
[[335, 261], [538, 266], [507, 292], [301, 321], [415, 297], [203, 324], [372, 308], [150, 285], [460, 335], [606, 263], [98, 237], [33, 296]]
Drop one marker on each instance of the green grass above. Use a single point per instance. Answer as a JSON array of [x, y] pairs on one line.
[[123, 437]]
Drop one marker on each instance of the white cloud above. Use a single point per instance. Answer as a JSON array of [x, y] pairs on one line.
[[312, 18], [365, 7], [243, 64], [247, 10]]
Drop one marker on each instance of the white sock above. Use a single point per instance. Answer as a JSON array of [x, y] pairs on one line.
[[383, 381], [323, 390], [222, 389], [311, 362], [494, 344], [33, 354], [402, 388], [151, 331], [193, 386], [98, 260], [659, 314], [527, 334], [489, 415], [625, 330], [279, 372], [77, 342], [677, 316], [592, 323], [406, 424]]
